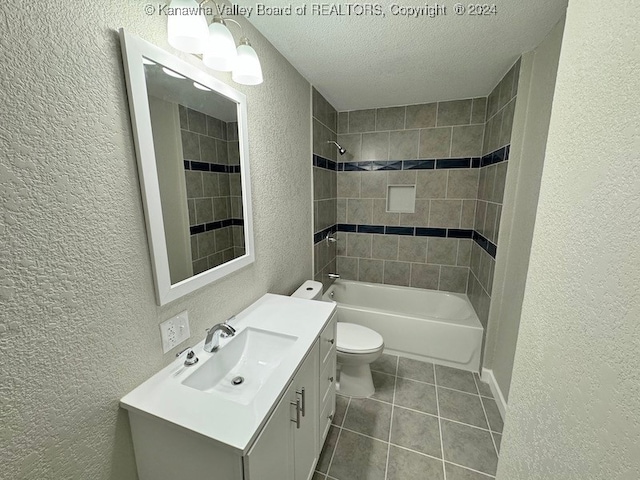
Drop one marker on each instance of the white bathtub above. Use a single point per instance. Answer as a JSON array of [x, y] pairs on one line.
[[429, 325]]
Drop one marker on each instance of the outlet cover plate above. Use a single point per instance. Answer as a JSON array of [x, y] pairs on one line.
[[175, 331]]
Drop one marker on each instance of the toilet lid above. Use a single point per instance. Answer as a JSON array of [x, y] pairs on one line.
[[354, 338]]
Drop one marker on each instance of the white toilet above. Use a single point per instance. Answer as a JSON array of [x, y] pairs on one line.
[[357, 347]]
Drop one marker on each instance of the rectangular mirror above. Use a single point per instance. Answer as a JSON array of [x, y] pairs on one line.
[[191, 140]]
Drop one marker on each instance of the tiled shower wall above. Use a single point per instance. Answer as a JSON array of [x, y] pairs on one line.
[[432, 146], [497, 137], [212, 173], [454, 152], [324, 187]]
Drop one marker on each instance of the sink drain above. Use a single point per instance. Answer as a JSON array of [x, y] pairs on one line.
[[237, 380]]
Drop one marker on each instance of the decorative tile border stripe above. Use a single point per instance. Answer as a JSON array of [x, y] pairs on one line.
[[210, 167], [325, 163], [321, 235], [482, 241], [500, 155], [207, 227]]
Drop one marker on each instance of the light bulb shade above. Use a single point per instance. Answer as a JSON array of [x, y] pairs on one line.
[[187, 26], [247, 69], [220, 49]]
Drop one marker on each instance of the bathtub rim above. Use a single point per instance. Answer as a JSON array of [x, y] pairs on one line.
[[472, 321]]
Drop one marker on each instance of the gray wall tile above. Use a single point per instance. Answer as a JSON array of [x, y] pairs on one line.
[[197, 121], [190, 145], [463, 183], [208, 149], [343, 122], [421, 116], [467, 141], [397, 273], [391, 118], [431, 183], [467, 220], [442, 251], [435, 142], [194, 184], [347, 267], [425, 276], [385, 247], [412, 249], [479, 110], [404, 145], [204, 210], [420, 217], [362, 121], [445, 213], [370, 270], [456, 112], [348, 184], [464, 252], [405, 177], [341, 210], [375, 146], [353, 144], [454, 279], [507, 124], [359, 245], [360, 211], [372, 184], [380, 214]]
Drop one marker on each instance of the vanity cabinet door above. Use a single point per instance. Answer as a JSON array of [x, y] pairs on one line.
[[305, 438], [271, 456]]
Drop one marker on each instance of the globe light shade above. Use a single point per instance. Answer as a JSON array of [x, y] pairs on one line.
[[247, 70], [220, 48], [187, 26]]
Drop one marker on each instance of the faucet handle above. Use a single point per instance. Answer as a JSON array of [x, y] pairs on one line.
[[224, 334], [190, 358]]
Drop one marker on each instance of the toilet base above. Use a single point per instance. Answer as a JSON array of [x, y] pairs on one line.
[[355, 381]]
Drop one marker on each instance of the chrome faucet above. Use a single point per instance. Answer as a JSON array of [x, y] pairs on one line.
[[333, 275], [212, 341]]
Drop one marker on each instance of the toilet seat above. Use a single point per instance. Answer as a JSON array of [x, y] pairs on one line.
[[353, 338]]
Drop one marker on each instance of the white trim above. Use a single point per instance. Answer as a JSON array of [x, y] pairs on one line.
[[487, 377], [133, 51]]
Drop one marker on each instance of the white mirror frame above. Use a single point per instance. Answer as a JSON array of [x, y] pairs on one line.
[[133, 50]]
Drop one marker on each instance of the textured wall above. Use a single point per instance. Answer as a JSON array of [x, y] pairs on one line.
[[78, 319], [528, 144], [573, 406]]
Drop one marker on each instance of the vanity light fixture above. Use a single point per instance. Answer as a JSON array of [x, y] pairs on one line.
[[187, 26], [216, 44]]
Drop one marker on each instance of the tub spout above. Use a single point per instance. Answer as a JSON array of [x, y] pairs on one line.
[[333, 275]]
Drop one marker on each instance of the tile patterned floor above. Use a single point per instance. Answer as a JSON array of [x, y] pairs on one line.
[[424, 422]]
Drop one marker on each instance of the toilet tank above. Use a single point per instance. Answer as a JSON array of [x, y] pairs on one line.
[[309, 290]]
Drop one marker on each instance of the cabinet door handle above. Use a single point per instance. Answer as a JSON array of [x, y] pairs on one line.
[[331, 379], [331, 340], [297, 420], [304, 402]]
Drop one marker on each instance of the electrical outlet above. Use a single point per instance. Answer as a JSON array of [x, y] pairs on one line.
[[175, 331]]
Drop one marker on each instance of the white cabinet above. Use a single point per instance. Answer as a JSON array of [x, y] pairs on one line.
[[287, 448]]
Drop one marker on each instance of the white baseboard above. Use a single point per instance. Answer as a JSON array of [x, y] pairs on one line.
[[487, 376]]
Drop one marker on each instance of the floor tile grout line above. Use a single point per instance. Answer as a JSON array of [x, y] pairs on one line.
[[393, 403], [444, 466], [335, 448], [424, 413], [440, 459], [433, 384], [493, 440]]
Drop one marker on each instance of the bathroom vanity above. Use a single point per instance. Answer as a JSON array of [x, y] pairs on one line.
[[259, 408]]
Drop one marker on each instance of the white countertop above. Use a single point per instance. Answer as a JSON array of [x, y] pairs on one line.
[[229, 423]]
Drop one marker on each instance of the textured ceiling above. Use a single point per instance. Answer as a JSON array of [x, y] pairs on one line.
[[376, 61]]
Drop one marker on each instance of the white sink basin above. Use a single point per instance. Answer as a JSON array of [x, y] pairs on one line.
[[240, 368]]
